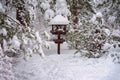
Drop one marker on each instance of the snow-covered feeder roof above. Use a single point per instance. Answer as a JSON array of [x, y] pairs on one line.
[[59, 20]]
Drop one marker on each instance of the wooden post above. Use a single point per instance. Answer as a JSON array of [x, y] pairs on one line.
[[58, 43], [59, 48]]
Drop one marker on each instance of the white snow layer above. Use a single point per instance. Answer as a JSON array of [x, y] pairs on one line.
[[63, 11], [45, 5], [66, 67], [59, 20], [61, 8], [49, 14], [15, 42], [99, 14], [3, 31], [107, 31], [1, 8]]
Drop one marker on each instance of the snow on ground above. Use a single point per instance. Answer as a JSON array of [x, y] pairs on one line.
[[66, 66]]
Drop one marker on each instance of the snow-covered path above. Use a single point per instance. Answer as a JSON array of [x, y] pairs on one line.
[[66, 67]]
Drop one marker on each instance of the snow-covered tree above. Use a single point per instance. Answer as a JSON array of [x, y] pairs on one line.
[[55, 7], [90, 36], [89, 39], [110, 10], [47, 10], [61, 8], [94, 18], [5, 62], [16, 39]]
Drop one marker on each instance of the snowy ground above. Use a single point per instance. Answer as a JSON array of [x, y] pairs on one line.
[[66, 67]]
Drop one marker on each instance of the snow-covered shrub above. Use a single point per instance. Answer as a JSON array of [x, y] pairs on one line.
[[17, 39], [90, 42], [90, 36], [7, 35], [5, 62], [95, 43], [31, 42], [101, 16]]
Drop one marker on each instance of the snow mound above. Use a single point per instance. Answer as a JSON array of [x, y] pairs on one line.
[[59, 20], [66, 66]]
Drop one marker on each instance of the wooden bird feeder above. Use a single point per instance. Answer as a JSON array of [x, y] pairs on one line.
[[59, 27]]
